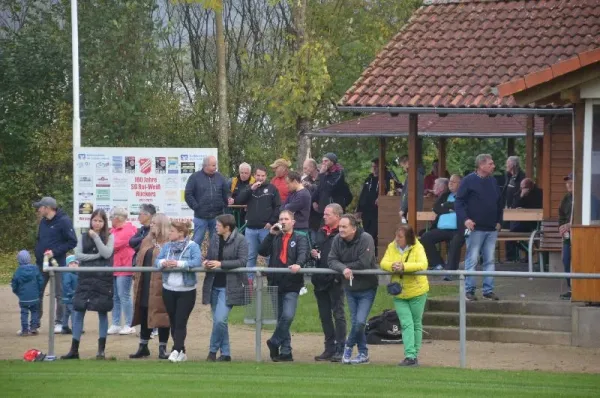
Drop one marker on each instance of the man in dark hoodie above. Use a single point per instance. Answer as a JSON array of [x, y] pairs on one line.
[[26, 284], [56, 235], [286, 249], [331, 185], [352, 250], [207, 193]]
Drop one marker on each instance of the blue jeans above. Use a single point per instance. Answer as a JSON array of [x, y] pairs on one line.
[[122, 300], [26, 309], [359, 304], [78, 317], [68, 312], [254, 237], [566, 258], [286, 310], [219, 338], [480, 243], [200, 227]]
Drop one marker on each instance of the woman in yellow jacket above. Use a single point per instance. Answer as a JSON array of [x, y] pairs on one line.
[[406, 254]]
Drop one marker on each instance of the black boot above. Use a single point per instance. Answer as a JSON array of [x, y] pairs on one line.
[[162, 352], [73, 352], [101, 347], [142, 352]]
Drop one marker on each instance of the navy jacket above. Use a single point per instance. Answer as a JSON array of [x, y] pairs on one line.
[[206, 195], [57, 235], [27, 283], [480, 200]]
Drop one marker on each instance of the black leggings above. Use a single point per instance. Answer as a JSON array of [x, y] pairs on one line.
[[163, 333], [179, 307]]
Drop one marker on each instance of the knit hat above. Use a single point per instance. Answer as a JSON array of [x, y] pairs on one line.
[[24, 258], [71, 259], [331, 156]]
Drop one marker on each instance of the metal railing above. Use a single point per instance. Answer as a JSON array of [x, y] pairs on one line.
[[462, 308]]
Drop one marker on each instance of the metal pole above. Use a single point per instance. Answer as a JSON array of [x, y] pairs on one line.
[[462, 321], [51, 313], [258, 302], [75, 56]]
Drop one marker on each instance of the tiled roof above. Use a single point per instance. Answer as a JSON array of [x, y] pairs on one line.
[[383, 124], [453, 53]]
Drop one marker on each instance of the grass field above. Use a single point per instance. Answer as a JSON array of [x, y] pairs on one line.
[[151, 378], [307, 316]]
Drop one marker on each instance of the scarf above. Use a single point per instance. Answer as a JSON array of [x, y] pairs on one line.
[[177, 247]]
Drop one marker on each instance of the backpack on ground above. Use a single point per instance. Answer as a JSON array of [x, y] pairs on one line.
[[384, 328]]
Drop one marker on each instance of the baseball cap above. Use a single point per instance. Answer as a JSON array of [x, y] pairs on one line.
[[569, 177], [281, 162], [46, 201]]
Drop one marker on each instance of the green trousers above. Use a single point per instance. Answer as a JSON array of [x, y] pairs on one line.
[[410, 313]]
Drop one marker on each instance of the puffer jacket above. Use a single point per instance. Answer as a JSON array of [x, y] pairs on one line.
[[206, 194], [414, 259]]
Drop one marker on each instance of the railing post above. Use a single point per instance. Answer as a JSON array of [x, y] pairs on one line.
[[462, 320], [258, 302], [51, 313]]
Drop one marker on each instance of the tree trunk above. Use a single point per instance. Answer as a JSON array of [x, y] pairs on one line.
[[223, 121], [302, 123]]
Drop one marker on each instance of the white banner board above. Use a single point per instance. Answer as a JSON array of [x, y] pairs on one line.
[[128, 177]]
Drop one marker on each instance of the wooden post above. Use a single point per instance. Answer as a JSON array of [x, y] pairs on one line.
[[510, 147], [413, 156], [578, 115], [546, 172], [442, 157], [529, 146], [382, 166], [539, 161]]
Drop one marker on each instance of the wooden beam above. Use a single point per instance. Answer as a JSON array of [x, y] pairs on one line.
[[510, 147], [382, 166], [529, 146], [546, 167], [578, 115], [539, 161], [442, 157], [413, 156]]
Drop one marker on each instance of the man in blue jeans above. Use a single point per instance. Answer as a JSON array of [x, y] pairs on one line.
[[287, 249], [351, 250], [207, 193], [479, 207], [262, 211]]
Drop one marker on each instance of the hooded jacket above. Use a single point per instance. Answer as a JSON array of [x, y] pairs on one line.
[[262, 205], [357, 254], [57, 235], [370, 193], [332, 188], [123, 253], [27, 283], [414, 259], [206, 194]]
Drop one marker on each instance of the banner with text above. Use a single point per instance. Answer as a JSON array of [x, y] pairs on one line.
[[104, 178]]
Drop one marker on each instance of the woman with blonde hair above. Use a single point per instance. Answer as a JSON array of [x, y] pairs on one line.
[[406, 254], [149, 309]]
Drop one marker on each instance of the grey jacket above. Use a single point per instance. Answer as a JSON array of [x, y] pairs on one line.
[[357, 254], [235, 255], [420, 191]]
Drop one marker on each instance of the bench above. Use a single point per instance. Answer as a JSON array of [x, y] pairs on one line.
[[550, 241]]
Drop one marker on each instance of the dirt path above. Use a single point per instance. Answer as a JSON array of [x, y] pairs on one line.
[[480, 355]]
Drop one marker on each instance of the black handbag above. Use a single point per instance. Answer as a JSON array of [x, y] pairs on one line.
[[394, 288]]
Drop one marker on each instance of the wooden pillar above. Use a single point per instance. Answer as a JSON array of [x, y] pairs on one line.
[[510, 147], [539, 161], [442, 157], [529, 146], [382, 166], [413, 156], [546, 172], [578, 115]]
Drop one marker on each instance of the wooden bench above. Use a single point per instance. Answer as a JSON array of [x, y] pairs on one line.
[[550, 241]]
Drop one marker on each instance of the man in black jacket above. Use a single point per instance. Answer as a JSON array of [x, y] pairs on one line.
[[262, 211], [328, 288], [207, 193], [287, 249], [511, 192], [331, 185]]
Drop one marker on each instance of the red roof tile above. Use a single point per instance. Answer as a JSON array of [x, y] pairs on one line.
[[471, 46]]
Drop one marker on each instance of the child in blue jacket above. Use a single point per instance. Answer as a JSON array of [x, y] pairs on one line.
[[69, 285], [27, 283]]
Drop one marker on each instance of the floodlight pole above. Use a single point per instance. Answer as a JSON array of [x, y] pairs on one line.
[[75, 55]]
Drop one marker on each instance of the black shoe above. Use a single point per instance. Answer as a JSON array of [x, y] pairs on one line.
[[224, 358], [491, 296], [142, 352], [566, 296], [73, 352], [66, 330], [273, 350], [162, 352], [448, 278], [337, 357], [101, 347], [325, 356], [212, 357], [471, 297], [409, 362], [284, 358]]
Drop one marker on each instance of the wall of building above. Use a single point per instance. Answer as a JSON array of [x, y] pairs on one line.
[[561, 159]]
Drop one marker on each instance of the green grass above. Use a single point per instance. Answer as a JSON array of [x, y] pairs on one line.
[[307, 316], [152, 378]]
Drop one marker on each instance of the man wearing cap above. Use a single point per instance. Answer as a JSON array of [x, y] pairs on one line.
[[332, 186], [281, 168], [56, 236], [564, 228]]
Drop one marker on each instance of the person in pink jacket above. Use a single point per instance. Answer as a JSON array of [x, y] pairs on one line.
[[122, 230]]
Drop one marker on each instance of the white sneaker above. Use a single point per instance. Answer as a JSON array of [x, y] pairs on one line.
[[58, 328], [154, 333], [114, 329], [182, 357], [127, 330], [174, 356]]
